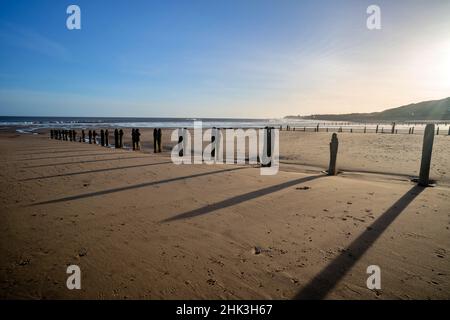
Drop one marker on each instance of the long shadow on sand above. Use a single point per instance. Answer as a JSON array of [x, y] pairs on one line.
[[72, 156], [43, 148], [240, 198], [326, 280], [97, 170], [82, 162], [54, 151], [136, 186]]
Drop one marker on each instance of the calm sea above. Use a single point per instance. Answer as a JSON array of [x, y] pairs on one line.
[[30, 124], [34, 123]]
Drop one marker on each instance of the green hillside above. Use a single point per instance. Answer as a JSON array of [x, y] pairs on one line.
[[438, 110]]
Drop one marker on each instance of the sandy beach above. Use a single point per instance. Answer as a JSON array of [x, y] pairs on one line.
[[141, 227]]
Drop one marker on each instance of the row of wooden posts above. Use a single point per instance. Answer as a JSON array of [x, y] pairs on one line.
[[71, 135], [427, 149], [392, 130], [268, 146]]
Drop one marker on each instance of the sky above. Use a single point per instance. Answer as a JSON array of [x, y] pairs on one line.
[[220, 58]]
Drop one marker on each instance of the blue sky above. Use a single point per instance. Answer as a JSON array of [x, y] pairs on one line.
[[219, 58]]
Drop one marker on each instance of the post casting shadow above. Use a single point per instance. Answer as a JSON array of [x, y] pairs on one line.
[[44, 148], [82, 162], [61, 157], [240, 198], [326, 280], [96, 171], [136, 186], [55, 151]]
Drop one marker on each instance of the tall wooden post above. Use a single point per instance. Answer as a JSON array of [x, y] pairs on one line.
[[267, 149], [449, 130], [181, 142], [107, 138], [437, 131], [213, 143], [102, 137], [393, 128], [427, 149], [376, 130], [159, 139], [333, 155], [155, 140]]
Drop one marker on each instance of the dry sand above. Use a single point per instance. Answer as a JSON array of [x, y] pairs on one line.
[[141, 227]]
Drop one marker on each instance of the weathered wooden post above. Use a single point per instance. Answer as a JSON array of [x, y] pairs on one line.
[[213, 142], [107, 138], [396, 131], [427, 149], [409, 131], [393, 128], [382, 130], [181, 142], [333, 155], [90, 137], [74, 135], [317, 128], [365, 129], [159, 136], [449, 130], [116, 138], [437, 131], [412, 130], [266, 160], [121, 138], [155, 140], [376, 130], [102, 137]]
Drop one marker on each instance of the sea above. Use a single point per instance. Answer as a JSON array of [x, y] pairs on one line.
[[32, 124]]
